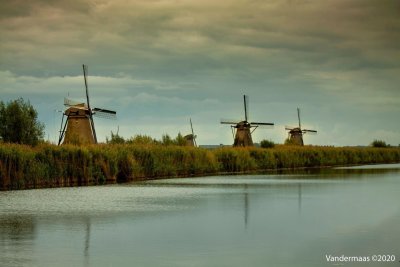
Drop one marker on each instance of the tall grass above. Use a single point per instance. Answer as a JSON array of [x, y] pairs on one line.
[[52, 166]]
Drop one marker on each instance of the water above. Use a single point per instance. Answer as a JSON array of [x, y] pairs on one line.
[[248, 220]]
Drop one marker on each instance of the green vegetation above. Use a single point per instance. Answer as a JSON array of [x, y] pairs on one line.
[[267, 144], [379, 143], [115, 139], [290, 142], [18, 123], [52, 166], [166, 140], [142, 140]]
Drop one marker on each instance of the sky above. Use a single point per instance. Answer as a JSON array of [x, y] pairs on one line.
[[158, 63]]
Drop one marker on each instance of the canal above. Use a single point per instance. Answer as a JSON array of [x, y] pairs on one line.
[[274, 219]]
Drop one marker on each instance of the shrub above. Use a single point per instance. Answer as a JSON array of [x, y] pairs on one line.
[[115, 139], [290, 142], [142, 140], [267, 144], [379, 143]]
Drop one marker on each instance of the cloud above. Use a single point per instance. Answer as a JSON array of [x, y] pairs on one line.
[[199, 36], [159, 62]]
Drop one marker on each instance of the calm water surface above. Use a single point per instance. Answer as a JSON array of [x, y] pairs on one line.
[[249, 220]]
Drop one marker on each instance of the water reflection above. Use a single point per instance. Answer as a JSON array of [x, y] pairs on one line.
[[17, 234], [87, 242], [299, 198], [246, 206], [340, 171], [17, 228], [246, 201], [287, 219]]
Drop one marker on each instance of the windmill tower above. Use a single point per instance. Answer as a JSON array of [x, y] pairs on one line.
[[190, 138], [77, 125], [241, 130], [296, 133]]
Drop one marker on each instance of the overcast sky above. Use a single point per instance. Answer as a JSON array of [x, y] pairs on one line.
[[160, 62]]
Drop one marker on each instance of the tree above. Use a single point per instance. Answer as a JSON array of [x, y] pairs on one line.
[[379, 143], [19, 124]]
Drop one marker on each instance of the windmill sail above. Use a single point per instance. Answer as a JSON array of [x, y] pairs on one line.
[[298, 115], [309, 131], [85, 71], [194, 136], [296, 133], [262, 123], [241, 129], [246, 104], [104, 113], [79, 124], [226, 121]]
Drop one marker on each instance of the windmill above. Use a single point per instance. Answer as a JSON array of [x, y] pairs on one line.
[[77, 125], [190, 138], [241, 130], [296, 133]]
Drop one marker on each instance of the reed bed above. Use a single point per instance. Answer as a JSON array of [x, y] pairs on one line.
[[23, 167]]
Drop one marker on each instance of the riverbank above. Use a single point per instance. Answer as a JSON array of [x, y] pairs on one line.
[[24, 167]]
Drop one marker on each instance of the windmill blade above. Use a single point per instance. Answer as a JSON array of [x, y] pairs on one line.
[[289, 128], [104, 113], [262, 123], [298, 115], [62, 129], [309, 131], [191, 125], [246, 107], [194, 136], [85, 71], [223, 121]]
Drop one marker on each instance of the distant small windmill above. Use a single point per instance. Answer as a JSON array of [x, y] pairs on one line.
[[296, 133], [241, 130], [190, 138], [77, 125]]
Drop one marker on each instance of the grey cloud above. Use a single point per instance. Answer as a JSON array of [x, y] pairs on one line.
[[20, 8], [339, 59], [156, 31]]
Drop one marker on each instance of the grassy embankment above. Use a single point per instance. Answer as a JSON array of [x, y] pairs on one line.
[[52, 166]]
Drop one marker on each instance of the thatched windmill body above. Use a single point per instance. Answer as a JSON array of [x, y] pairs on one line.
[[77, 125], [296, 133], [190, 138], [242, 130]]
